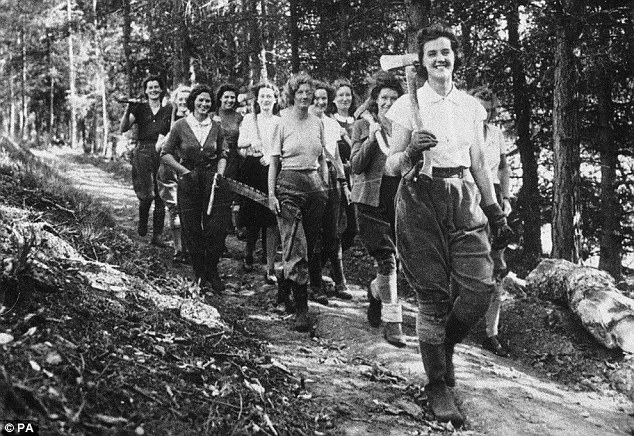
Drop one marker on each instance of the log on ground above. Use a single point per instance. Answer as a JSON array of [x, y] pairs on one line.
[[592, 295]]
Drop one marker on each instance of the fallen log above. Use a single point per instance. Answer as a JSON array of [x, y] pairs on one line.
[[592, 295]]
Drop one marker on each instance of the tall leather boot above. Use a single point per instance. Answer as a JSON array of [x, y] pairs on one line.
[[336, 266], [456, 331], [284, 289], [391, 311], [144, 215], [211, 271], [302, 320], [440, 398], [198, 265], [158, 223]]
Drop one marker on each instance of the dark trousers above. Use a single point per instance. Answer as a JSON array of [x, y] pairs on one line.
[[376, 226], [203, 235], [305, 191], [145, 164], [442, 241]]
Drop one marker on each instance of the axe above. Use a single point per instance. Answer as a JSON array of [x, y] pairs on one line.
[[407, 61], [214, 185]]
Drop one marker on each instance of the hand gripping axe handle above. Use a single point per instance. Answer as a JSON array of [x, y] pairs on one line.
[[407, 61]]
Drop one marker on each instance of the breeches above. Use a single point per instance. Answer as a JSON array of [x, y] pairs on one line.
[[201, 232], [305, 191], [442, 241], [145, 164]]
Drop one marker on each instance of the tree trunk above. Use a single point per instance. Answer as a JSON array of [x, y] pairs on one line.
[[23, 107], [417, 16], [467, 54], [591, 295], [51, 103], [529, 199], [344, 37], [71, 66], [13, 111], [180, 56], [255, 43], [127, 50], [294, 36], [566, 155], [611, 211]]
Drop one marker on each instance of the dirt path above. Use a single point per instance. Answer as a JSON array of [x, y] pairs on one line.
[[364, 385]]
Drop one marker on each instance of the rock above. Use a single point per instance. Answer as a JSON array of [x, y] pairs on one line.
[[5, 338], [514, 285], [591, 294]]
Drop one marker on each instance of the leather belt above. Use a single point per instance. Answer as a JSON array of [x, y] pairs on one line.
[[448, 172]]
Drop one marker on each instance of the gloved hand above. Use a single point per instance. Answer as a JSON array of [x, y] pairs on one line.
[[501, 233], [421, 140]]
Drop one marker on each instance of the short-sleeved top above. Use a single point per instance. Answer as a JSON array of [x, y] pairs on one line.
[[299, 143], [262, 131], [182, 141], [456, 121], [332, 134], [494, 146], [151, 125]]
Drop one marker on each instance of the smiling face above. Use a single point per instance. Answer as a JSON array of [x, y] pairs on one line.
[[202, 105], [320, 101], [303, 96], [153, 90], [385, 100], [266, 99], [439, 59], [343, 98], [181, 101], [228, 100]]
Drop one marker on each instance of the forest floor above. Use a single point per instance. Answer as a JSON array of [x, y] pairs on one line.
[[111, 359]]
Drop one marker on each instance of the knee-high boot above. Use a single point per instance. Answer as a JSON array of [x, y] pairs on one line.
[[391, 312], [440, 398], [211, 271], [374, 309], [198, 264], [456, 331], [144, 215], [302, 320], [284, 290]]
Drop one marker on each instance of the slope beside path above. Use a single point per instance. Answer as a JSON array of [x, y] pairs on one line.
[[364, 385]]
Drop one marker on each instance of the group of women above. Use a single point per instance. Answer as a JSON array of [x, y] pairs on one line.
[[329, 177]]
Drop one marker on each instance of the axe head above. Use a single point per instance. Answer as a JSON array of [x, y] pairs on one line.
[[392, 62]]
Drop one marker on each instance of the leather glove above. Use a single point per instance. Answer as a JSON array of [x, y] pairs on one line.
[[421, 140], [501, 233]]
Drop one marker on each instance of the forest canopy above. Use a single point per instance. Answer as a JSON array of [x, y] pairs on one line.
[[562, 71]]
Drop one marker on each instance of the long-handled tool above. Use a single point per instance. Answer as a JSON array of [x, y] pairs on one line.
[[392, 62]]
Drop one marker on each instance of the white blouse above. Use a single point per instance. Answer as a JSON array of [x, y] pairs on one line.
[[249, 135]]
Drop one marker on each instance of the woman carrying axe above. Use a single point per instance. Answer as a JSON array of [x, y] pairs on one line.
[[298, 179], [200, 143], [373, 194], [441, 231]]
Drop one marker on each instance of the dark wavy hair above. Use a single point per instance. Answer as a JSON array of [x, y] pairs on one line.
[[198, 89], [330, 93], [221, 90], [383, 79], [293, 84], [431, 33], [154, 78], [256, 90], [340, 83]]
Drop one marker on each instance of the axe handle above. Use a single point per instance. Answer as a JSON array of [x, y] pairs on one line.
[[410, 76], [214, 185]]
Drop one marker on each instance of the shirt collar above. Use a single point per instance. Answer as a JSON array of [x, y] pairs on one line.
[[193, 121], [431, 96]]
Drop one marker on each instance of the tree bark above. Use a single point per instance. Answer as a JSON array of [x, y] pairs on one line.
[[611, 211], [566, 155], [13, 111], [529, 198], [591, 295], [23, 108], [255, 43], [71, 67], [294, 36], [180, 56], [417, 16], [127, 50]]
